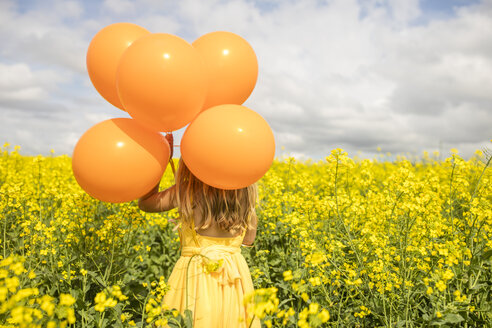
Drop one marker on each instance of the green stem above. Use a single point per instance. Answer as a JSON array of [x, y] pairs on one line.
[[107, 274], [251, 323], [471, 235], [84, 281], [450, 195], [99, 324], [187, 270], [5, 230], [143, 308]]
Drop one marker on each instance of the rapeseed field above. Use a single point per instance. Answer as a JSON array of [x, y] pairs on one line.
[[341, 243]]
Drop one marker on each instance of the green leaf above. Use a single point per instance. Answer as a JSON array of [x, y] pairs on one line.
[[401, 323], [174, 324], [452, 318], [285, 301], [100, 281], [479, 286], [487, 254], [188, 320], [86, 316], [87, 287]]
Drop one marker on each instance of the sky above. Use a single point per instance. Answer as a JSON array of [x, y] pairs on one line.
[[371, 77]]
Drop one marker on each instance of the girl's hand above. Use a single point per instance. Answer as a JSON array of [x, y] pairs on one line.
[[249, 237], [158, 201], [155, 201]]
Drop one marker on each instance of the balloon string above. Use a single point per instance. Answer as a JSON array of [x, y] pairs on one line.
[[172, 166], [170, 140]]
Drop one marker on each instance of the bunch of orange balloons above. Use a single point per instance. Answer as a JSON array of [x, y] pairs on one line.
[[166, 83]]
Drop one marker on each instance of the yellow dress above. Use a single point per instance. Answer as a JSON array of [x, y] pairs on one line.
[[215, 298]]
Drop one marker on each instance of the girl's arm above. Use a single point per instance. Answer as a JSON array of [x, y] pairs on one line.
[[250, 235], [155, 201]]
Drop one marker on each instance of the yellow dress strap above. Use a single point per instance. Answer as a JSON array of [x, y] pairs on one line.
[[193, 231]]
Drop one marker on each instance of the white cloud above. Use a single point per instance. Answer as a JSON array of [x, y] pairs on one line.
[[69, 9], [404, 11], [342, 73], [119, 6], [27, 90]]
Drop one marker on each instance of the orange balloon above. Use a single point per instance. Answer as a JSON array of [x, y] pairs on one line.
[[161, 81], [228, 146], [119, 160], [103, 55], [232, 67]]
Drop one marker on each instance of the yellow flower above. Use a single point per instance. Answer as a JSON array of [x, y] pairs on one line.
[[66, 299], [458, 296], [438, 314], [3, 293], [441, 285], [100, 300], [110, 302], [369, 203], [448, 275], [261, 301], [161, 322], [315, 281], [12, 283], [47, 305], [71, 316], [116, 291], [313, 308], [316, 258], [18, 268], [100, 307], [212, 266], [17, 315], [324, 315]]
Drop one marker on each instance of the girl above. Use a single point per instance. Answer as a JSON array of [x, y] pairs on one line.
[[211, 277]]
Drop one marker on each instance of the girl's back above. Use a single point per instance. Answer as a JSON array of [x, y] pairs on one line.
[[214, 230]]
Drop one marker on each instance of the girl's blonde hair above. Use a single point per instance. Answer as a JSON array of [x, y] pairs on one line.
[[232, 210]]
